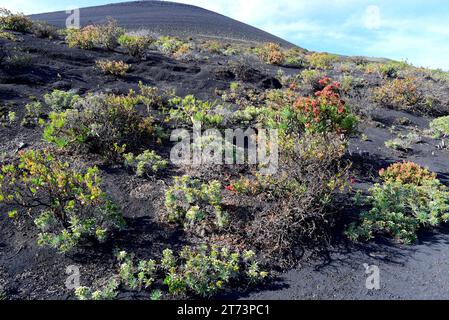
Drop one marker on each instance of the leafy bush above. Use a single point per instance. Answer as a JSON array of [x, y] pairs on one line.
[[200, 271], [116, 68], [33, 112], [59, 100], [146, 163], [440, 127], [153, 97], [8, 36], [403, 142], [135, 46], [324, 61], [311, 79], [189, 109], [104, 35], [169, 45], [72, 206], [327, 112], [212, 46], [108, 292], [136, 275], [392, 69], [295, 58], [105, 124], [83, 38], [271, 53], [398, 93], [207, 270], [18, 61], [409, 199], [43, 29], [14, 22], [196, 205], [107, 34]]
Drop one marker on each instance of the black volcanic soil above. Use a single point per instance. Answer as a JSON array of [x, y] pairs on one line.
[[167, 18], [32, 272]]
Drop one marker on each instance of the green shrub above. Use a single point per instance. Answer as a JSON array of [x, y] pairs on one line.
[[69, 206], [8, 36], [153, 97], [135, 46], [169, 45], [189, 109], [196, 205], [107, 34], [105, 124], [104, 35], [45, 30], [440, 127], [108, 292], [18, 61], [33, 112], [271, 53], [199, 271], [324, 61], [146, 163], [14, 22], [409, 199], [83, 38], [207, 270], [139, 275], [392, 69], [59, 101], [403, 142], [399, 93], [115, 68]]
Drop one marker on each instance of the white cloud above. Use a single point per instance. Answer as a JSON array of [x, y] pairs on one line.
[[372, 19]]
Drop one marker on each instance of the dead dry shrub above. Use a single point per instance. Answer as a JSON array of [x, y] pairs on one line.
[[302, 193]]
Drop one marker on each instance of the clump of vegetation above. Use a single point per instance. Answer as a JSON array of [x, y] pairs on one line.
[[105, 124], [169, 45], [295, 58], [409, 198], [105, 35], [440, 127], [153, 97], [8, 36], [323, 61], [108, 292], [18, 61], [196, 205], [201, 271], [45, 30], [403, 142], [59, 100], [146, 163], [15, 21], [208, 269], [135, 46], [392, 69], [67, 206], [83, 38], [327, 112], [271, 53], [33, 112], [189, 109], [115, 68], [311, 79], [212, 47], [398, 93]]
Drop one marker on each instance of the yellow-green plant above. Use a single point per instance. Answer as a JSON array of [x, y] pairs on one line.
[[196, 205], [116, 68], [67, 206]]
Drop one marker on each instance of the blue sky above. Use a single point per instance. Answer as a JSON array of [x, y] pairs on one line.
[[399, 29]]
